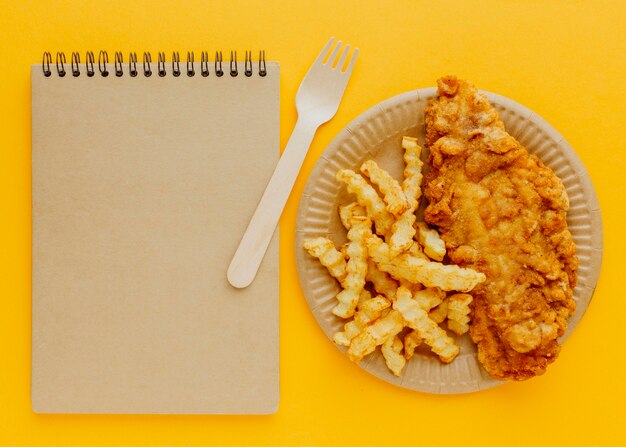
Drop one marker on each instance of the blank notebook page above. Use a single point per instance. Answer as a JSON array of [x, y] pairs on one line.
[[142, 188]]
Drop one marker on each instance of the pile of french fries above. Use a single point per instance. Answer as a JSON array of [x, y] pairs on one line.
[[410, 292]]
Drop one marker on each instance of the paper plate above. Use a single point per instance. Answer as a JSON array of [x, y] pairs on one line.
[[377, 134]]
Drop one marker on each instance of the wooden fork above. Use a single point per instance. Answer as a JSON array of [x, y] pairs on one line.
[[317, 102]]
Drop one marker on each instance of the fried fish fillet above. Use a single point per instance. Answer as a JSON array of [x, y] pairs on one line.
[[502, 212]]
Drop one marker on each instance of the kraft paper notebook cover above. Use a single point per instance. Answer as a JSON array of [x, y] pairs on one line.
[[142, 187]]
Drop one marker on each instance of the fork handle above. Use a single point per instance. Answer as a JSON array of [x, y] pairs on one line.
[[247, 259]]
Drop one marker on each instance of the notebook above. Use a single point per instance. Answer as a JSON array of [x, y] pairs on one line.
[[145, 174]]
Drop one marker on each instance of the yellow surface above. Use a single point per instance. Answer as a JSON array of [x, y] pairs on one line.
[[564, 59]]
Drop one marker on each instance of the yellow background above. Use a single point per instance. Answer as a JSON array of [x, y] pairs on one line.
[[564, 59]]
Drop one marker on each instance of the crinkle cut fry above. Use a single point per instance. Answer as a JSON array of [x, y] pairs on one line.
[[402, 233], [367, 197], [392, 352], [367, 312], [374, 335], [440, 313], [417, 318], [458, 312], [349, 212], [324, 250], [416, 250], [429, 298], [412, 172], [415, 270], [356, 268], [363, 298], [351, 329], [429, 239], [411, 341], [392, 192], [403, 230], [382, 283]]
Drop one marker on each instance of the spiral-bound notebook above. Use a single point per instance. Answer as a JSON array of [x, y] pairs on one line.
[[144, 177]]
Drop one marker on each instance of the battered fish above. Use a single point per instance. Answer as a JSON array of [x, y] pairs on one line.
[[502, 212]]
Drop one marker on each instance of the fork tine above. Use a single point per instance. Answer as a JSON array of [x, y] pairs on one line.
[[342, 59], [348, 71], [324, 52], [333, 55]]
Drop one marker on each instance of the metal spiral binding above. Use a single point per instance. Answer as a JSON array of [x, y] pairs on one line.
[[233, 64], [204, 63], [147, 59], [176, 64], [89, 61], [103, 61], [248, 64], [190, 70], [75, 64], [132, 64], [45, 64], [161, 64], [119, 61], [60, 63], [262, 67], [218, 60]]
